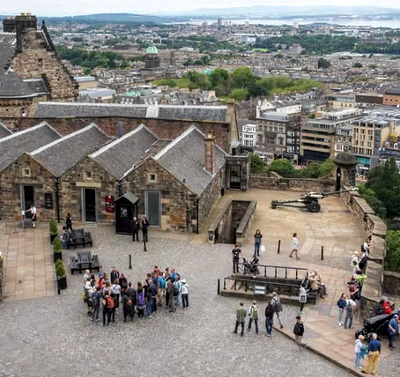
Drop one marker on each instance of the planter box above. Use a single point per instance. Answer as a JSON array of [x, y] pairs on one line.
[[62, 283], [57, 256], [52, 237]]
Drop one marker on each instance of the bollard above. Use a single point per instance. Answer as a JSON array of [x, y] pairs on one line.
[[322, 253], [219, 287], [144, 245], [130, 261], [279, 246]]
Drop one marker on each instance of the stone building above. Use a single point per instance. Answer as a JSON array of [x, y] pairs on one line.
[[151, 64], [29, 68], [14, 196], [37, 177]]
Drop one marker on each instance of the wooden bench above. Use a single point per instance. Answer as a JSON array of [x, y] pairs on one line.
[[74, 265], [312, 296], [95, 263], [80, 238]]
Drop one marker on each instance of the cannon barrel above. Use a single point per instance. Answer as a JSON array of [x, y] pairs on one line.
[[338, 192]]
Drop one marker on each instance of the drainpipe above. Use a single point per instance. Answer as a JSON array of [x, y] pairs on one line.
[[58, 199], [119, 188], [197, 214]]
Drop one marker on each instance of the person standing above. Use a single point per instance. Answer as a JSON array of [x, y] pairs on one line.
[[240, 319], [298, 332], [253, 314], [128, 309], [257, 242], [116, 292], [277, 305], [393, 330], [349, 313], [341, 305], [236, 254], [135, 225], [269, 315], [145, 226], [374, 350], [178, 288], [185, 294], [170, 299], [295, 246], [114, 274], [140, 301], [96, 297], [358, 351], [68, 222], [302, 298], [108, 306], [33, 212]]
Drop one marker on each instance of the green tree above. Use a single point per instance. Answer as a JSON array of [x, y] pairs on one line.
[[257, 165], [371, 198], [283, 167], [238, 94], [323, 63], [242, 77], [357, 65], [219, 78], [373, 66], [326, 168], [392, 259]]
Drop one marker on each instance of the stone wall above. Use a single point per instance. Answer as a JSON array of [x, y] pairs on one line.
[[17, 107], [245, 222], [1, 278], [16, 175], [35, 61], [164, 129], [269, 182], [391, 283]]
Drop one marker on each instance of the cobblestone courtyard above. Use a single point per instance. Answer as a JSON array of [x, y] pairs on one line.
[[53, 336]]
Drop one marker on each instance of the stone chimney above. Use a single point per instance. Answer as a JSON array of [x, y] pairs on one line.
[[24, 22], [209, 149]]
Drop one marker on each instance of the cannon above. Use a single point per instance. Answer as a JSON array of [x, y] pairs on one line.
[[308, 200]]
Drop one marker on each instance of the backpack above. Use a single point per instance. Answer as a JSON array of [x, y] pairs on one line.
[[110, 303], [303, 298], [140, 299], [298, 329], [277, 305], [349, 307], [176, 290], [255, 312]]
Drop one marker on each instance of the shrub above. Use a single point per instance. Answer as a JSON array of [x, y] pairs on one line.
[[392, 259], [53, 227], [60, 270], [283, 167], [57, 247]]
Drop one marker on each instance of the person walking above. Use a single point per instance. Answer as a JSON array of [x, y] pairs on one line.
[[269, 315], [341, 305], [236, 254], [135, 225], [185, 294], [33, 212], [68, 222], [393, 330], [145, 226], [257, 242], [240, 319], [253, 314], [349, 313], [277, 305], [358, 347], [374, 350], [302, 298], [295, 246], [298, 332]]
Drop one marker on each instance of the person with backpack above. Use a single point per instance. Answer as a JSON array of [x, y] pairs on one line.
[[170, 294], [277, 304], [341, 305], [302, 298], [108, 306], [177, 288], [96, 297], [185, 294], [269, 315], [298, 332], [149, 302], [162, 285], [114, 275], [128, 308], [140, 302], [358, 348], [240, 319], [349, 313], [253, 316]]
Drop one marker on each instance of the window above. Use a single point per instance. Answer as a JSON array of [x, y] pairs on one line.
[[26, 172], [151, 177], [87, 175]]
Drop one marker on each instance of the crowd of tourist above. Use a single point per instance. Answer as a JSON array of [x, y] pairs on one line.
[[107, 292]]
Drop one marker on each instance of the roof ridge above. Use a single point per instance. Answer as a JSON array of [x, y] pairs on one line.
[[19, 133]]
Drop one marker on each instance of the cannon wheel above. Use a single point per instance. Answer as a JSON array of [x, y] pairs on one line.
[[314, 206], [273, 205]]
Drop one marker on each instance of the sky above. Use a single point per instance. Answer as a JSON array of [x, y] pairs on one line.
[[154, 7]]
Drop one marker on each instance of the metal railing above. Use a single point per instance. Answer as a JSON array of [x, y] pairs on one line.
[[276, 271]]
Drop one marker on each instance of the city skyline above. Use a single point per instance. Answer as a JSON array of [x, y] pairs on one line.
[[153, 7]]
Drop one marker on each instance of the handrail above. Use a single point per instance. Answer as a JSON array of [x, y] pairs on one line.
[[255, 281], [276, 269]]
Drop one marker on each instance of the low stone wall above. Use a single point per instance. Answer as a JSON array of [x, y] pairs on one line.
[[269, 182], [374, 226], [391, 283]]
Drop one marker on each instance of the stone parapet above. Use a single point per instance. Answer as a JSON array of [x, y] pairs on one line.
[[245, 222], [391, 283]]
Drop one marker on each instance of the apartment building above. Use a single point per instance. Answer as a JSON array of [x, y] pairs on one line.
[[341, 101], [247, 132], [318, 136]]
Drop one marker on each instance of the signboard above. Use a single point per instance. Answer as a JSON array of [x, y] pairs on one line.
[[48, 200]]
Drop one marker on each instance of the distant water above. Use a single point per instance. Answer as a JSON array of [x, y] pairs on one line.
[[393, 24]]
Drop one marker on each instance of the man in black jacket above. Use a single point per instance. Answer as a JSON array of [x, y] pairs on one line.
[[135, 229], [298, 332], [269, 315], [145, 225]]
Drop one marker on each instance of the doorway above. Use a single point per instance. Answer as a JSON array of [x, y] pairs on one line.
[[89, 205], [235, 176], [153, 208], [27, 197]]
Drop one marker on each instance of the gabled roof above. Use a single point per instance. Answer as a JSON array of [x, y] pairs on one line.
[[119, 156], [80, 109], [62, 154], [184, 158], [4, 131], [18, 143], [8, 41]]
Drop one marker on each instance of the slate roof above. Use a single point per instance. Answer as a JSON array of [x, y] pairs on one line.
[[15, 145], [13, 86], [76, 109], [62, 154], [8, 41], [184, 158], [119, 156], [4, 131], [37, 85]]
